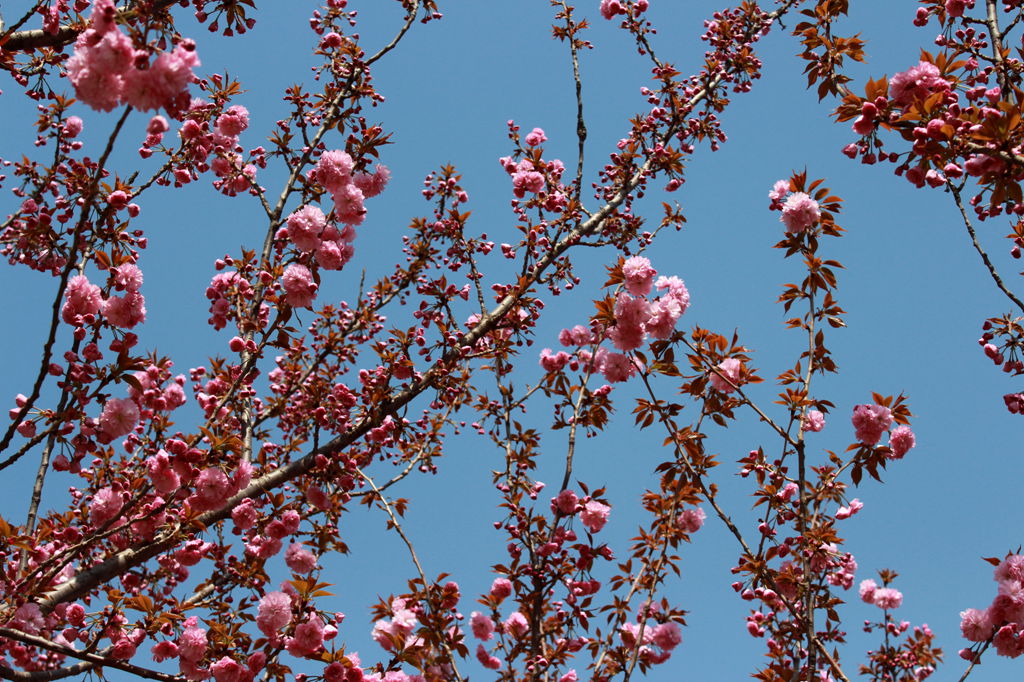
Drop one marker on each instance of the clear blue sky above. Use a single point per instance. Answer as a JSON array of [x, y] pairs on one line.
[[914, 291]]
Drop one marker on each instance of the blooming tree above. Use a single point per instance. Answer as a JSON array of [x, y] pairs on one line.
[[204, 504]]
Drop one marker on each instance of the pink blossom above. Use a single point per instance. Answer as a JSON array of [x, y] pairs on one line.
[[334, 170], [1011, 568], [501, 588], [916, 83], [516, 624], [73, 126], [299, 559], [372, 184], [80, 299], [165, 79], [638, 275], [609, 8], [667, 636], [799, 212], [616, 367], [565, 502], [125, 311], [305, 226], [690, 520], [901, 440], [106, 504], [569, 676], [482, 625], [867, 590], [244, 515], [275, 612], [577, 336], [976, 626], [813, 420], [119, 417], [97, 67], [553, 362], [536, 137], [308, 637], [233, 121], [730, 368], [348, 205], [163, 650], [527, 181], [870, 422], [630, 315], [778, 191], [486, 660], [192, 644], [212, 490], [127, 277], [846, 512], [228, 669], [299, 287], [1009, 641], [594, 515], [1009, 602], [887, 598]]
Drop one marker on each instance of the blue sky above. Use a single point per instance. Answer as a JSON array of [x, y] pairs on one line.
[[914, 291]]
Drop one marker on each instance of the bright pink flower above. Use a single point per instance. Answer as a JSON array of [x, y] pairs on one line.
[[690, 520], [553, 362], [594, 515], [976, 626], [814, 420], [73, 126], [212, 490], [1011, 568], [916, 83], [846, 512], [565, 502], [305, 226], [372, 184], [163, 650], [233, 121], [901, 440], [955, 8], [308, 637], [80, 299], [334, 170], [730, 367], [299, 559], [300, 289], [536, 137], [119, 417], [609, 8], [97, 67], [245, 514], [1009, 640], [165, 79], [516, 624], [501, 588], [228, 669], [127, 277], [527, 181], [275, 612], [482, 625], [577, 336], [638, 275], [887, 598], [569, 676], [799, 212], [125, 311], [667, 636], [616, 367], [348, 205], [870, 422], [630, 315]]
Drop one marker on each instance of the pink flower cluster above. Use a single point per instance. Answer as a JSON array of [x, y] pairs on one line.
[[665, 636], [799, 211], [916, 83], [83, 300], [611, 8], [882, 597], [392, 635], [871, 421], [729, 375], [104, 68], [334, 171], [1004, 617]]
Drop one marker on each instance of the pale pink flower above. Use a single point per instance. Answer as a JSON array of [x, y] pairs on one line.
[[482, 625], [690, 520], [212, 490], [638, 275], [501, 588], [577, 336], [305, 226], [1009, 641], [846, 512], [165, 79], [609, 8], [616, 367], [814, 420], [867, 590], [976, 626], [348, 205], [163, 650], [192, 644], [730, 367], [245, 514], [299, 559], [1011, 568], [569, 676], [127, 277], [594, 515], [667, 636], [630, 315], [275, 612], [901, 440], [527, 181], [80, 299], [119, 417], [300, 289], [372, 184], [228, 669], [486, 660], [334, 170], [308, 637], [778, 191], [916, 83], [516, 624], [870, 422], [106, 504], [887, 598], [799, 212], [536, 137], [125, 311]]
